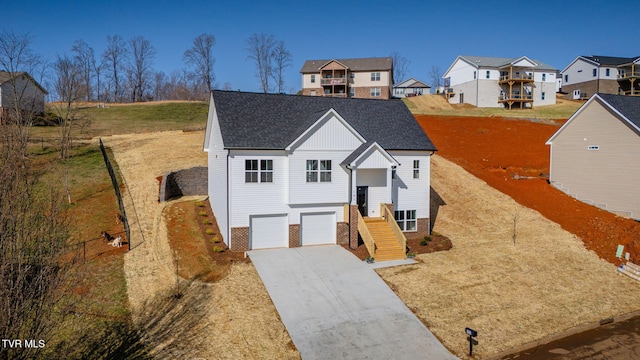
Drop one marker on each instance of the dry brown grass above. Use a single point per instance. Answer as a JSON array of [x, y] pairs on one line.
[[511, 291], [236, 318]]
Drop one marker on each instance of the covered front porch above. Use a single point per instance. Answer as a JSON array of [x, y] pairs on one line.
[[371, 208]]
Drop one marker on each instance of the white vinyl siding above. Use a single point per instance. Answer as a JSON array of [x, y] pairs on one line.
[[318, 228], [257, 198], [407, 192], [217, 179]]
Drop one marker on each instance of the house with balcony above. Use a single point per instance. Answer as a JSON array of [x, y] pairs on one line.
[[290, 171], [348, 78], [588, 75], [500, 82]]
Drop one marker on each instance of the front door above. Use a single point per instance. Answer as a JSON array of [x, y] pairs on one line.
[[362, 199]]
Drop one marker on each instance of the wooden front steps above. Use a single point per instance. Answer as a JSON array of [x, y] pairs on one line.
[[387, 246]]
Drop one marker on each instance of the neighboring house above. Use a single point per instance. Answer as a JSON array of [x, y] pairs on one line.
[[500, 82], [289, 171], [410, 87], [594, 155], [587, 75], [22, 88], [353, 78]]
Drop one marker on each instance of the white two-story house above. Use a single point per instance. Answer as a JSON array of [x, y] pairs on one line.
[[289, 171], [500, 82]]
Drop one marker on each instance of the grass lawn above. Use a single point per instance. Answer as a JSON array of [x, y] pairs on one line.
[[134, 118]]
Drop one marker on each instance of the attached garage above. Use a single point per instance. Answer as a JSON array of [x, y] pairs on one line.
[[318, 228], [268, 231]]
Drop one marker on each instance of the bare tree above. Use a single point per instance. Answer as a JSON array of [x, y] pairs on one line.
[[400, 67], [33, 228], [200, 57], [281, 60], [260, 48], [435, 75], [114, 58], [227, 86], [140, 69], [85, 59]]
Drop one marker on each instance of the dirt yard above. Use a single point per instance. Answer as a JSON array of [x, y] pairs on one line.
[[235, 317], [518, 287], [511, 289]]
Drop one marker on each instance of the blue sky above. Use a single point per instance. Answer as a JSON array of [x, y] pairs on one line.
[[425, 32]]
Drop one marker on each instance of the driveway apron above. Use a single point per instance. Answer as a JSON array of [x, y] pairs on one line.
[[336, 307]]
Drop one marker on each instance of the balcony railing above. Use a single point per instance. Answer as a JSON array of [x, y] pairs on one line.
[[341, 95], [333, 81], [516, 97], [629, 75], [516, 77]]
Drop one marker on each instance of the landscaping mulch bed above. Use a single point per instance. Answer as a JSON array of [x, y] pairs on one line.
[[437, 242]]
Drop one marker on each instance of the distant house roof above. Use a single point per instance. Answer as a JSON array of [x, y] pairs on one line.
[[610, 60], [362, 64], [626, 107], [6, 76], [274, 121], [411, 83], [496, 62]]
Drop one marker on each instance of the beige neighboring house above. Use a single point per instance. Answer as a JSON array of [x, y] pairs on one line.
[[22, 88], [348, 78], [594, 155]]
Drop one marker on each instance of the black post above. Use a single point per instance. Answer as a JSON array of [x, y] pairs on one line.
[[472, 333]]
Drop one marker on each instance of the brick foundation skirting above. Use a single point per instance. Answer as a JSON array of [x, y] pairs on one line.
[[239, 239], [353, 224], [294, 236], [423, 229], [342, 236]]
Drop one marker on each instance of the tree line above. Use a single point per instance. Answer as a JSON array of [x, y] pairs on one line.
[[124, 71]]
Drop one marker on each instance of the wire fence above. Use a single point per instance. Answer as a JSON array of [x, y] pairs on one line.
[[116, 188]]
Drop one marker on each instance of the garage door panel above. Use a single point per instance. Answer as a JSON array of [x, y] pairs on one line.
[[318, 228], [268, 231]]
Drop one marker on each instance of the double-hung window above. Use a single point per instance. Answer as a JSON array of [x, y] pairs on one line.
[[258, 171], [416, 169], [374, 92], [318, 170], [375, 76], [406, 219]]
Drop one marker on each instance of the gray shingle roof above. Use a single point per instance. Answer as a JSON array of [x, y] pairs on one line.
[[496, 62], [274, 121], [629, 106], [362, 64], [610, 60]]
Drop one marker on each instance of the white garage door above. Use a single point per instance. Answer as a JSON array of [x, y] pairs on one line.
[[268, 231], [318, 228]]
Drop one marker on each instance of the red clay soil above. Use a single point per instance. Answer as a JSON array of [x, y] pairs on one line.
[[511, 156]]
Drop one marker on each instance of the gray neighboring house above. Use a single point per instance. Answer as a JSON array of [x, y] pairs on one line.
[[587, 75], [500, 82], [22, 87], [594, 155], [410, 87]]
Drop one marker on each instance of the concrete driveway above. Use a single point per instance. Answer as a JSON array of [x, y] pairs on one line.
[[336, 307]]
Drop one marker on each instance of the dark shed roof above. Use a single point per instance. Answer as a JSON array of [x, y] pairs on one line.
[[629, 106], [274, 121]]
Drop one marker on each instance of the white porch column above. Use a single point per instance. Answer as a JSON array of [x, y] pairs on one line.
[[354, 188], [389, 185]]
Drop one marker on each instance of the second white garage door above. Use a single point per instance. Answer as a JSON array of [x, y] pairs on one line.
[[318, 228], [268, 231]]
